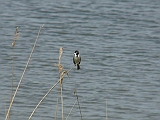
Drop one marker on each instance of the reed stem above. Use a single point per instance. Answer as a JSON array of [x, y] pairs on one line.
[[43, 99], [71, 110], [75, 92], [62, 102], [56, 109]]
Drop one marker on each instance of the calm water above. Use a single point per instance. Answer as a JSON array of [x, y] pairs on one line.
[[119, 42]]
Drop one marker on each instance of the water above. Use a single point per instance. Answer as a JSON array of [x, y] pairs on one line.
[[118, 40]]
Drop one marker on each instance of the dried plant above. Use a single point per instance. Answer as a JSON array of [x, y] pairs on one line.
[[16, 35], [62, 74], [7, 116], [60, 67], [75, 92]]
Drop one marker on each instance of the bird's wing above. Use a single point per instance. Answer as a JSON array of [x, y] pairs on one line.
[[73, 61], [80, 60]]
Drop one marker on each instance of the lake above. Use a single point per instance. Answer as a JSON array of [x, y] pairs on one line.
[[118, 40]]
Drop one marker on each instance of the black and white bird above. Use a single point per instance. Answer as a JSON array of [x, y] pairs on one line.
[[77, 59]]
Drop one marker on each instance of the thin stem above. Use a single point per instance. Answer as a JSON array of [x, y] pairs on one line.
[[16, 34], [12, 71], [12, 78], [62, 102], [71, 109], [78, 104], [43, 99], [56, 109]]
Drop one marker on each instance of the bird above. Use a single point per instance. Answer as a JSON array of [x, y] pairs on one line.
[[77, 59]]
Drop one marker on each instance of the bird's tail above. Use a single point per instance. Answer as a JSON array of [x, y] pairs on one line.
[[78, 66]]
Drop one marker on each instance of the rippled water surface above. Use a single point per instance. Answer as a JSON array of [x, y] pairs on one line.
[[119, 41]]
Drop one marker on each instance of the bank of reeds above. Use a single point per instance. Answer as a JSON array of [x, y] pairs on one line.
[[62, 74]]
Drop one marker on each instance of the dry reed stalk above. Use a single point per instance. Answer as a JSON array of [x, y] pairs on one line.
[[60, 67], [63, 73], [59, 96], [56, 109], [75, 92], [60, 54], [12, 73], [7, 116], [43, 99], [62, 102], [71, 109], [16, 35]]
